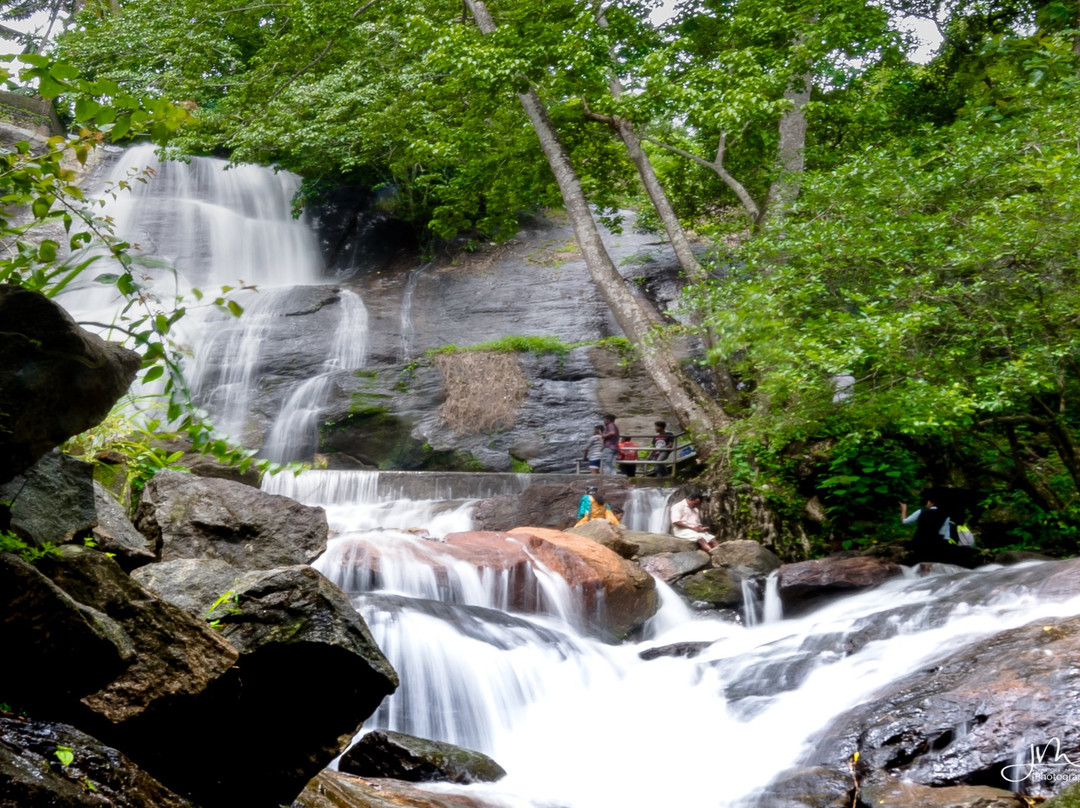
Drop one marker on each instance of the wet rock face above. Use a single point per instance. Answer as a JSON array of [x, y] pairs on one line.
[[972, 717], [56, 380], [535, 285]]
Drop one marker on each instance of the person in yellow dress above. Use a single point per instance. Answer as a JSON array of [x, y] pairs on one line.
[[594, 506]]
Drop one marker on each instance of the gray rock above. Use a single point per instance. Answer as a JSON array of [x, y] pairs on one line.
[[670, 567], [56, 380], [43, 629], [405, 757], [745, 559], [971, 715], [115, 534], [193, 584], [53, 500], [808, 583], [200, 517]]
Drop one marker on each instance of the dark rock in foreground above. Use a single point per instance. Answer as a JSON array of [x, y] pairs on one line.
[[416, 760], [31, 773]]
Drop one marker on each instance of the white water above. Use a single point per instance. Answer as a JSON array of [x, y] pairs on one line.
[[581, 724], [221, 226]]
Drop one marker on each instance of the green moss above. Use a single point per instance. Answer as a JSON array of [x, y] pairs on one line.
[[366, 374]]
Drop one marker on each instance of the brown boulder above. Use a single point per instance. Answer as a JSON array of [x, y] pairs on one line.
[[616, 595], [807, 583], [331, 789], [883, 790]]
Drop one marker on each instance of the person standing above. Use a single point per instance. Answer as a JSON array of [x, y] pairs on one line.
[[628, 450], [661, 440], [931, 539], [686, 522], [593, 449], [611, 446]]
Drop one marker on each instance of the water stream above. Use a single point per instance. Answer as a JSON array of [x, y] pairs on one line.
[[582, 724]]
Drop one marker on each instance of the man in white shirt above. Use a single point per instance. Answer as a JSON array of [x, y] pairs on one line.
[[686, 522]]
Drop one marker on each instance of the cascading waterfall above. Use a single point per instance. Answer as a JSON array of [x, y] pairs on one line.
[[232, 226], [582, 724]]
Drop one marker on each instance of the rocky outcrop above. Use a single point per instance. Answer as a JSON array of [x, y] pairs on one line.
[[199, 517], [745, 559], [339, 790], [809, 583], [416, 760], [33, 774], [969, 719], [56, 380]]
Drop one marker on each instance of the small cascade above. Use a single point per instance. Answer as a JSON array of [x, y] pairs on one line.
[[646, 510], [407, 329], [772, 609], [752, 605]]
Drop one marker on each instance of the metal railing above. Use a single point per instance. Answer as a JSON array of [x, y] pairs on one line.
[[664, 460]]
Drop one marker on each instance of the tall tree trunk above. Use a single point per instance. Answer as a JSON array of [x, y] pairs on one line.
[[790, 152], [689, 403], [666, 213]]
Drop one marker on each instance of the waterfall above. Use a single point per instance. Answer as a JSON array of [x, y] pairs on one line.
[[262, 379], [579, 723], [646, 510]]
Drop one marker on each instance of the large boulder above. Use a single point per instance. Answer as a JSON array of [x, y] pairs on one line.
[[333, 789], [56, 380], [44, 629], [713, 587], [176, 656], [32, 774], [672, 567], [984, 715], [53, 500], [648, 544], [616, 595], [200, 517], [806, 584], [416, 760], [745, 559], [293, 629]]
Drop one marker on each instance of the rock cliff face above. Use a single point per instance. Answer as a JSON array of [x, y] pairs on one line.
[[392, 413]]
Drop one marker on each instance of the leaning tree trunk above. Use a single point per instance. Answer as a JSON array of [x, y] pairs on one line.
[[689, 403]]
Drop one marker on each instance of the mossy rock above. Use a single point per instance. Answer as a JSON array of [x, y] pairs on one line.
[[1069, 798], [713, 586]]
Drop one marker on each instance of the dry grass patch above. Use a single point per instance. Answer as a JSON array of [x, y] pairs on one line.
[[484, 390]]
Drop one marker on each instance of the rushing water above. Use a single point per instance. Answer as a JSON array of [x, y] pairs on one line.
[[582, 724]]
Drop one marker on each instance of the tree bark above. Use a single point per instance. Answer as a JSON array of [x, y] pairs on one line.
[[689, 403]]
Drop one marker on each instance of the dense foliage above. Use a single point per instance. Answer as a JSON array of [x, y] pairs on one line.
[[909, 322]]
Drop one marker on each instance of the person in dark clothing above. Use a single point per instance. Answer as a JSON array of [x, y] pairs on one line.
[[931, 539]]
